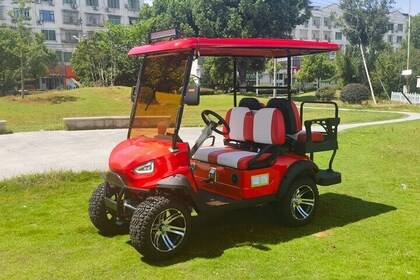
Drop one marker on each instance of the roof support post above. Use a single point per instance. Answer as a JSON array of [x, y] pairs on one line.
[[289, 76], [234, 83]]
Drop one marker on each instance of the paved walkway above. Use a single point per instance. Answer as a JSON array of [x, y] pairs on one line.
[[34, 152]]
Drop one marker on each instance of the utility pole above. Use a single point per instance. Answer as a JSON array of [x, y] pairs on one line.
[[408, 45], [367, 72]]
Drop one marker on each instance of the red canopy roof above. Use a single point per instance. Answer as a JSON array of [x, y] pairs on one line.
[[260, 47]]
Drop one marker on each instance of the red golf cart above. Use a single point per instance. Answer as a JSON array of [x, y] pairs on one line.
[[156, 180]]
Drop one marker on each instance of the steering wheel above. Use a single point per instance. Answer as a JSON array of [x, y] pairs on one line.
[[206, 114]]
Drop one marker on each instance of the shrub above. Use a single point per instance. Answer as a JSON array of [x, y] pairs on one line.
[[354, 93], [325, 93], [206, 91]]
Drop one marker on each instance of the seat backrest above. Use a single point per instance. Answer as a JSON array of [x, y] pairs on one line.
[[290, 113], [268, 127], [240, 122], [251, 103]]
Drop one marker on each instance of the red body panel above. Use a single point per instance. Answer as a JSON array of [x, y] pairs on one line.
[[243, 188], [246, 47], [135, 151]]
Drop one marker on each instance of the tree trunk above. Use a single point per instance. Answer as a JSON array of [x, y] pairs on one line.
[[242, 75], [22, 82]]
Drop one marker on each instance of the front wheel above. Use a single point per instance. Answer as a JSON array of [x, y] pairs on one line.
[[160, 227], [102, 218], [300, 203]]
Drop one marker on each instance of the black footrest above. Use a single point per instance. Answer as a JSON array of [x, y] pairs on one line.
[[328, 177]]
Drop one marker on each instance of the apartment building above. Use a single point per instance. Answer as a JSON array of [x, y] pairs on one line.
[[322, 27], [65, 22]]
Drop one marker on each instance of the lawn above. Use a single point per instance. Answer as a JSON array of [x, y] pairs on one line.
[[45, 111], [366, 228]]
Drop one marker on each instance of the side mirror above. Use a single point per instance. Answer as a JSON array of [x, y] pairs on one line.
[[192, 96], [133, 94]]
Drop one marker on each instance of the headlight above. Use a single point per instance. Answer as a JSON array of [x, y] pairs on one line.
[[145, 168]]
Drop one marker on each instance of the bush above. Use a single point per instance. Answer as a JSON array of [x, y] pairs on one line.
[[325, 93], [206, 91], [354, 93]]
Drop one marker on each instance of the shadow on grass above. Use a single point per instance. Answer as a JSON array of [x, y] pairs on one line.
[[257, 227], [58, 99], [304, 98]]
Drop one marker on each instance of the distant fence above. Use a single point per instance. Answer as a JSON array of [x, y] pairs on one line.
[[397, 96]]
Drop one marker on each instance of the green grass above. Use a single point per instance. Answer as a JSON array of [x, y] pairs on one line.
[[45, 111], [382, 104], [221, 103], [366, 228]]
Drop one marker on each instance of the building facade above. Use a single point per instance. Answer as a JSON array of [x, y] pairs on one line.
[[65, 22], [322, 27]]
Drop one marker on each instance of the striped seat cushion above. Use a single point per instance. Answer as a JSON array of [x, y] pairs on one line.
[[239, 120], [227, 157]]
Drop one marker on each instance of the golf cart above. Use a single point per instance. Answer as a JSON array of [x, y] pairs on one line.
[[156, 180]]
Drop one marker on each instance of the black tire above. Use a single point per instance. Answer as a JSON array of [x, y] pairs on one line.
[[160, 227], [298, 206], [105, 221]]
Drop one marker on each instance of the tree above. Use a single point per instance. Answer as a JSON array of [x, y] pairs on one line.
[[102, 58], [415, 31], [21, 16], [365, 23], [229, 18], [218, 73], [316, 68], [8, 58], [40, 57], [20, 44], [348, 65], [165, 14]]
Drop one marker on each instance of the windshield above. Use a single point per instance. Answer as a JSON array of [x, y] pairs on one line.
[[159, 96]]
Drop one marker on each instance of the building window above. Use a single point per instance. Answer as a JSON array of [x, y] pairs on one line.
[[49, 35], [67, 56], [70, 17], [72, 2], [399, 39], [391, 27], [115, 4], [400, 27], [133, 5], [316, 35], [71, 36], [133, 20], [316, 21], [92, 3], [114, 19], [390, 38], [21, 13], [46, 16], [327, 36], [93, 20], [338, 35], [327, 22], [306, 24]]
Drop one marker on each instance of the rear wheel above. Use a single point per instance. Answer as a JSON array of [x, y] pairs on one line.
[[160, 227], [102, 218], [300, 203]]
